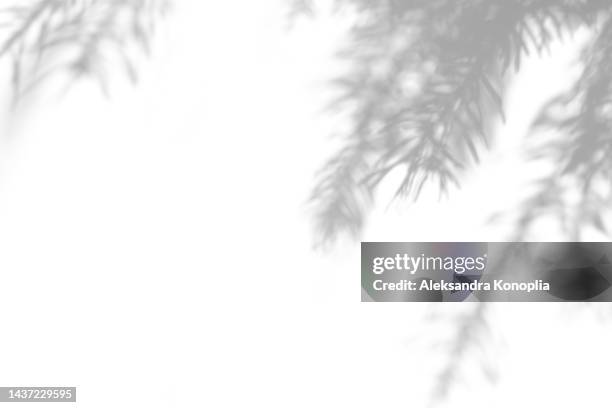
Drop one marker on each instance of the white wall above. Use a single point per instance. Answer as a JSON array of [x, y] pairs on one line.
[[155, 249]]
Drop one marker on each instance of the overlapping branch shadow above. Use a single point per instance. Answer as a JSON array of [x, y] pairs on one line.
[[424, 76], [75, 38]]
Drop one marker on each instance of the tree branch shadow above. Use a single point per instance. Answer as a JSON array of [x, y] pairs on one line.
[[425, 89], [425, 86], [43, 39]]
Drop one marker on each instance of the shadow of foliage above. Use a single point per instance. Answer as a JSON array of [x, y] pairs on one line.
[[79, 38], [426, 85], [473, 337], [579, 189]]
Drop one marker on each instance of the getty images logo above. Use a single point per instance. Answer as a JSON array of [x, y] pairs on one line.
[[413, 264]]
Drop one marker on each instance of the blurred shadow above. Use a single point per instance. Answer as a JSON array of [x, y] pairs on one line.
[[578, 191], [86, 38], [472, 333], [426, 84]]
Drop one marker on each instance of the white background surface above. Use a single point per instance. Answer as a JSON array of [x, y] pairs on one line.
[[155, 249]]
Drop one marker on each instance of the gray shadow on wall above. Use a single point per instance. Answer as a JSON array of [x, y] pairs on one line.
[[426, 86], [44, 39], [426, 83], [577, 193]]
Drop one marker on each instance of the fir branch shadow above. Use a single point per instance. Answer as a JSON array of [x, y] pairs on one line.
[[471, 332], [578, 191], [425, 86], [43, 39], [473, 338]]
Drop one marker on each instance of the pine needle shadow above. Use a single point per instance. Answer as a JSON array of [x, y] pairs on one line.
[[426, 83], [425, 87], [90, 38], [573, 131]]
